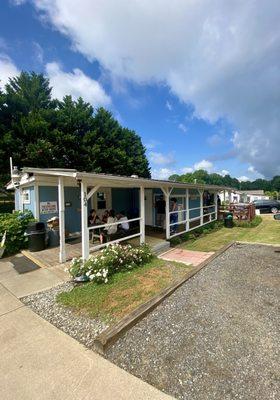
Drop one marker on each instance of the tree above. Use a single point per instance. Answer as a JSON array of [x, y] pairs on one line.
[[113, 149], [38, 131]]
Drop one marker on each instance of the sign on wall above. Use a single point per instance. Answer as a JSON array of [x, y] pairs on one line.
[[48, 207]]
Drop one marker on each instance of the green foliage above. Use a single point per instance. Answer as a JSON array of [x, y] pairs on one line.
[[249, 224], [114, 258], [196, 233], [40, 132], [15, 226], [201, 176]]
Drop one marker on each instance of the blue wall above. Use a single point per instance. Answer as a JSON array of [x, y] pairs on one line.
[[31, 206], [72, 213], [193, 203], [127, 200], [17, 207], [48, 193]]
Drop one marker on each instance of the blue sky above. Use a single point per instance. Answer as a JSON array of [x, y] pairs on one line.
[[188, 109]]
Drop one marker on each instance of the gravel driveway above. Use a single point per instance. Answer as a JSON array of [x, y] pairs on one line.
[[217, 337]]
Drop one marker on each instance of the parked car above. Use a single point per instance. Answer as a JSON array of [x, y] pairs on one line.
[[267, 206]]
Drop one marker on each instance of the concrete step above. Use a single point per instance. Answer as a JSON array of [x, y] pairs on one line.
[[160, 248]]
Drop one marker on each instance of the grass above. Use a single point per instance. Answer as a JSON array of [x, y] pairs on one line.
[[124, 292], [268, 231]]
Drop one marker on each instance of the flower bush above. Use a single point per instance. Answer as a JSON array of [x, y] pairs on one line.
[[14, 225], [114, 258]]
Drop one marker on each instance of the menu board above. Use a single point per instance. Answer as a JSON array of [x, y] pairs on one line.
[[48, 207]]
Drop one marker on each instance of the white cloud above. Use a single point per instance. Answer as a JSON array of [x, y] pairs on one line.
[[162, 173], [39, 53], [182, 127], [161, 159], [151, 144], [7, 70], [204, 164], [243, 178], [186, 170], [168, 106], [224, 172], [220, 56], [76, 84], [251, 169]]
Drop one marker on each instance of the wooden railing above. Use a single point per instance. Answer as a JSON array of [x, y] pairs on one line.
[[240, 211]]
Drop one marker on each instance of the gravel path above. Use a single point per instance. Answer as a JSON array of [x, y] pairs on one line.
[[217, 337], [81, 328]]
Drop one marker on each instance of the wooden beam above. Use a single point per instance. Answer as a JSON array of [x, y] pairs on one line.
[[188, 210], [61, 212], [167, 216], [142, 215], [84, 216], [92, 191]]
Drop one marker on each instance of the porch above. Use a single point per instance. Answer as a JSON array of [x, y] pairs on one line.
[[69, 195], [49, 257]]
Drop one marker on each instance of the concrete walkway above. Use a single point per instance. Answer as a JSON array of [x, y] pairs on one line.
[[39, 361], [188, 257]]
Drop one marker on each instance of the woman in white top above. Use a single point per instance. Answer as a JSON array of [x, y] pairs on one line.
[[109, 229]]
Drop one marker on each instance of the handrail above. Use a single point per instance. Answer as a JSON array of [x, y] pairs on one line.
[[90, 228]]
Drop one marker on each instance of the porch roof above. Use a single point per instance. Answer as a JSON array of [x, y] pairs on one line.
[[108, 180]]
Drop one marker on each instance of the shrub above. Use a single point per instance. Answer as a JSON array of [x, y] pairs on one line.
[[112, 259], [196, 233], [15, 226], [249, 224]]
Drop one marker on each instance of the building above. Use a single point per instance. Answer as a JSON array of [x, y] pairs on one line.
[[70, 194], [244, 196]]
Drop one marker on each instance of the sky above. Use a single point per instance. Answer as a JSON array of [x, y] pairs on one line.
[[197, 80]]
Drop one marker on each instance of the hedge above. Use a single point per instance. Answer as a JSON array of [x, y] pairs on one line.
[[15, 225]]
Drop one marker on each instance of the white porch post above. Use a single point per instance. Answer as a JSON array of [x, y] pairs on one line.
[[188, 210], [201, 206], [61, 211], [166, 193], [37, 200], [142, 215], [216, 204], [84, 215]]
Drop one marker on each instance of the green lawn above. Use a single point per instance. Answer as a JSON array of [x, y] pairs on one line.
[[125, 290], [267, 232]]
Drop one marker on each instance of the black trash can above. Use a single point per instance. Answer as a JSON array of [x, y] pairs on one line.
[[228, 221], [36, 233]]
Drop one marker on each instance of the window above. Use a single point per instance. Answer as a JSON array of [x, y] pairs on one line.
[[26, 196], [101, 201]]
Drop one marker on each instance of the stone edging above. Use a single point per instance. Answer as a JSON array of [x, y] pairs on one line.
[[113, 333]]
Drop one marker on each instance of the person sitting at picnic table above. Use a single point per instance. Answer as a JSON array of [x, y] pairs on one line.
[[124, 226], [109, 229], [105, 216], [93, 218]]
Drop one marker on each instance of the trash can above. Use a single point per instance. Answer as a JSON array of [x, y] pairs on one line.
[[53, 237], [228, 221], [36, 233]]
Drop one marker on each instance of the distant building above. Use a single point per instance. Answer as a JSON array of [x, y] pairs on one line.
[[243, 196]]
